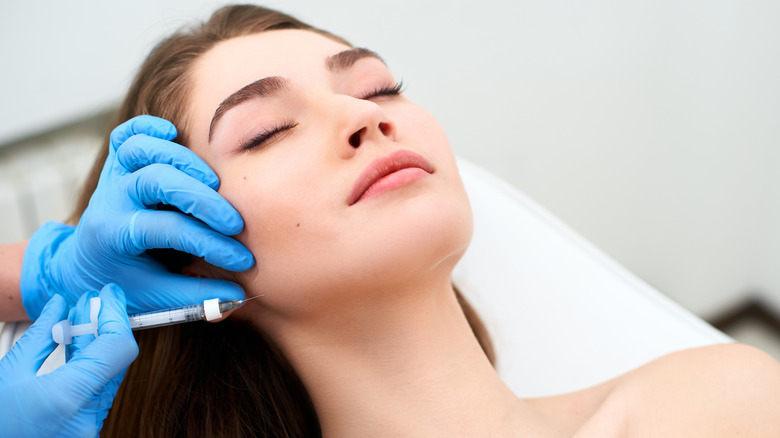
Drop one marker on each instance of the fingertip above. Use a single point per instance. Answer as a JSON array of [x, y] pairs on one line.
[[234, 224], [79, 314], [227, 253], [213, 182], [57, 301], [118, 136], [113, 306], [224, 218], [113, 319], [153, 126], [209, 178], [209, 288], [143, 124], [233, 291], [114, 293], [238, 259], [54, 310], [244, 260], [220, 215], [162, 128]]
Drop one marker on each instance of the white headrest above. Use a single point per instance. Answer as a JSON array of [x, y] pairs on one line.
[[562, 314]]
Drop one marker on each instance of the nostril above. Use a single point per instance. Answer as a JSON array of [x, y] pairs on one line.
[[385, 129], [354, 139]]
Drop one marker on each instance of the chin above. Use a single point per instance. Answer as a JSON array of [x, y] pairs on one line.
[[425, 233]]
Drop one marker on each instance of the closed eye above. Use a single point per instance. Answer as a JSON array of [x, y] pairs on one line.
[[387, 90], [267, 136]]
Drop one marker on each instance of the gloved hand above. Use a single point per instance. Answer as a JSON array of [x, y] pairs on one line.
[[108, 245], [73, 400]]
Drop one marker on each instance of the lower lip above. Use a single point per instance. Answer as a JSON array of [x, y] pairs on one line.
[[393, 181]]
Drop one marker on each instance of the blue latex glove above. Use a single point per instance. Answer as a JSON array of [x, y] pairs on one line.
[[73, 400], [108, 245]]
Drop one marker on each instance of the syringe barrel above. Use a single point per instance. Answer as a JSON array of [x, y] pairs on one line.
[[142, 321]]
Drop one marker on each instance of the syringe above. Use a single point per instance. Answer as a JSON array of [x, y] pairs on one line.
[[209, 310], [63, 332]]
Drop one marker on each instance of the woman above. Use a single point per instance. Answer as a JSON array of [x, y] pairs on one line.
[[340, 230], [355, 213]]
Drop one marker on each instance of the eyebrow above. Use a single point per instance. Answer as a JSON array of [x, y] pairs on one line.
[[344, 60], [265, 87], [271, 85]]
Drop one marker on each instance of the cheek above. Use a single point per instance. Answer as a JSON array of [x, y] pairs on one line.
[[276, 213], [420, 128], [289, 226]]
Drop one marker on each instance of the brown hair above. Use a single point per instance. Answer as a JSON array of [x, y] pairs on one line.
[[203, 379]]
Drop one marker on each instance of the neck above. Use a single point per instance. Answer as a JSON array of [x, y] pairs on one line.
[[406, 366]]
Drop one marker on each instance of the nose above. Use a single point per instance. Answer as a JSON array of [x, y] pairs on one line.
[[356, 139], [364, 123]]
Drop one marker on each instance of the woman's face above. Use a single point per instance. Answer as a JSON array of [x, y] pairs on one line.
[[301, 129]]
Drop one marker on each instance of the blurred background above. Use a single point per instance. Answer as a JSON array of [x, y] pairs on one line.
[[650, 127]]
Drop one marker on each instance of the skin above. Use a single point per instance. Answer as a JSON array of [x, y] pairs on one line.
[[12, 308], [358, 296]]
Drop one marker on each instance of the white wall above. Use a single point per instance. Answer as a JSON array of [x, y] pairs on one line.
[[649, 126]]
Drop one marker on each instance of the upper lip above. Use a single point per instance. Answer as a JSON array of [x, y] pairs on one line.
[[383, 166]]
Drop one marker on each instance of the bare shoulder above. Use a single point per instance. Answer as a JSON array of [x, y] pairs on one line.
[[720, 390]]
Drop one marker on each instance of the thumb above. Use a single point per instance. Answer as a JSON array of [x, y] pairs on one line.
[[114, 348], [37, 343]]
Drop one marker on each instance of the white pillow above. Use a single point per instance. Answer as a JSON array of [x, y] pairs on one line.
[[562, 314]]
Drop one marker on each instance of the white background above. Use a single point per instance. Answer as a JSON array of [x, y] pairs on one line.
[[651, 127]]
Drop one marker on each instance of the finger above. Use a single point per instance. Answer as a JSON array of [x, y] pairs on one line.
[[113, 313], [80, 314], [110, 166], [37, 343], [157, 183], [174, 290], [145, 124], [111, 353], [152, 229], [113, 321], [142, 150]]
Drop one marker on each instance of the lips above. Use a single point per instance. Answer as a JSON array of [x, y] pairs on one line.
[[385, 166]]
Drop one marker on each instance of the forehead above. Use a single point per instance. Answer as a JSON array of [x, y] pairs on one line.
[[273, 53], [297, 55]]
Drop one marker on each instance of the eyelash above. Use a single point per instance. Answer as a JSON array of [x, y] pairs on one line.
[[387, 90], [267, 135]]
